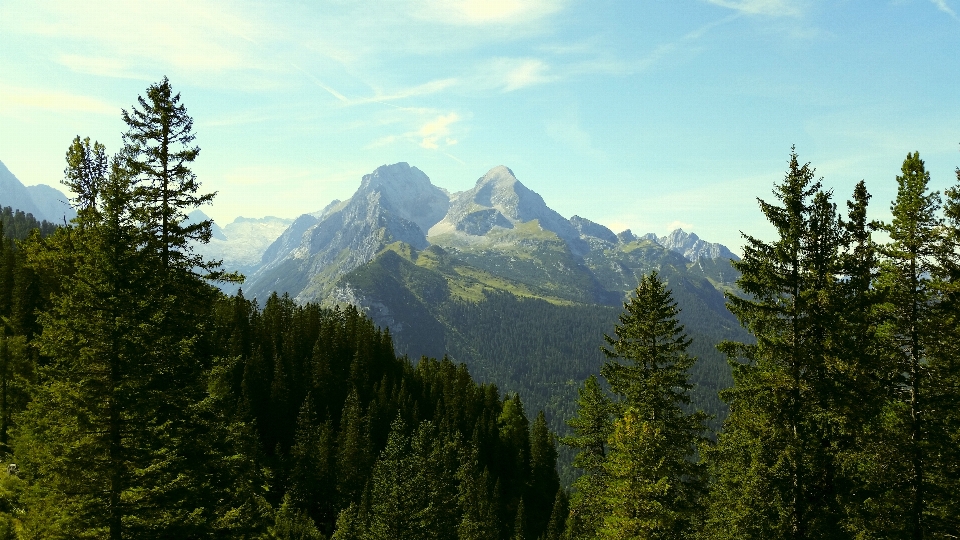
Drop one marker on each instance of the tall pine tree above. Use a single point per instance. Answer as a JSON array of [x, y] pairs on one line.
[[915, 282], [654, 484], [775, 464]]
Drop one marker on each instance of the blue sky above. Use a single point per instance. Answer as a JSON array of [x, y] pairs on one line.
[[641, 114]]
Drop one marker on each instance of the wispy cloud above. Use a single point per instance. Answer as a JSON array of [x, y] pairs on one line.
[[319, 83], [667, 49], [486, 12], [12, 97], [943, 6], [776, 8], [431, 87], [437, 129], [509, 74], [106, 37], [430, 130]]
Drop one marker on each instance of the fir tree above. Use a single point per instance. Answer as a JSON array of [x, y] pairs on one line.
[[775, 463], [157, 153], [592, 428], [914, 281], [653, 482], [544, 481]]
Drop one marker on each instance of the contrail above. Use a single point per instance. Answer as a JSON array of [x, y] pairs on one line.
[[317, 81]]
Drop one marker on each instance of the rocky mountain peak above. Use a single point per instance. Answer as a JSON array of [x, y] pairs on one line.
[[500, 189], [692, 247], [406, 192], [499, 199]]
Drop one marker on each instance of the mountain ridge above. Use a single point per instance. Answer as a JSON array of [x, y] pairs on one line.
[[399, 203], [44, 202]]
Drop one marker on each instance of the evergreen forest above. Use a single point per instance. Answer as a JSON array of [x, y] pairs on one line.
[[137, 400]]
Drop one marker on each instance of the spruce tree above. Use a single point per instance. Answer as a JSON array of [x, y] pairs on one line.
[[917, 285], [75, 441], [775, 464], [158, 150], [592, 428], [654, 484], [544, 480], [122, 439]]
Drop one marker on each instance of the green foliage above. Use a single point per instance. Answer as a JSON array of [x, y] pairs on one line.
[[157, 153], [778, 434], [292, 524], [841, 421], [638, 448], [348, 461], [544, 343]]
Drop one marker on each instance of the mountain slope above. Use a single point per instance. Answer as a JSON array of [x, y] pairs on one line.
[[44, 202], [394, 203], [495, 278]]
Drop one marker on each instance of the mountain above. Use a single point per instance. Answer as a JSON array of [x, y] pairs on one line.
[[241, 243], [500, 200], [691, 246], [495, 278], [43, 201], [395, 203]]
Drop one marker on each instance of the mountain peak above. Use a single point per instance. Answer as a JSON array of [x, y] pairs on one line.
[[692, 247], [406, 192], [43, 201], [398, 173], [501, 174]]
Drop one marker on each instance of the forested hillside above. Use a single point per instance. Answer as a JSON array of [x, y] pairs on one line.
[[140, 402]]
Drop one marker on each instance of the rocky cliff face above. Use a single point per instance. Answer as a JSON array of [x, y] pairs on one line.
[[500, 200], [692, 247], [395, 203]]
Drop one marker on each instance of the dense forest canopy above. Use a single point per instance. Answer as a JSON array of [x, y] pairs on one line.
[[139, 401]]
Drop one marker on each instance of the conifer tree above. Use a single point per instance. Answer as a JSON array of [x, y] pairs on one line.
[[544, 480], [157, 153], [77, 432], [121, 439], [292, 524], [353, 451], [945, 507], [311, 477], [411, 491], [479, 513], [917, 284], [775, 463], [653, 482], [87, 168], [592, 428]]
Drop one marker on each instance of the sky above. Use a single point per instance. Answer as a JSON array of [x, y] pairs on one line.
[[640, 114]]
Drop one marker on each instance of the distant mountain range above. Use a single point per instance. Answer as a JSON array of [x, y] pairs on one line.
[[493, 277], [44, 202], [500, 217], [241, 243], [490, 276]]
